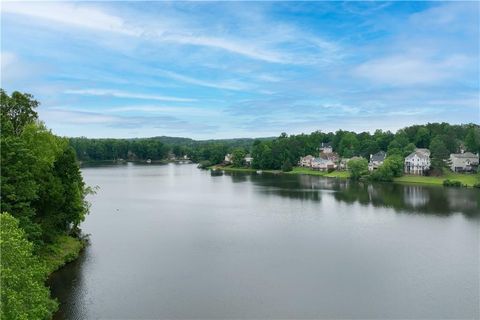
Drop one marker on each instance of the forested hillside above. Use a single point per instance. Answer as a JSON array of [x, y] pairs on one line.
[[42, 202]]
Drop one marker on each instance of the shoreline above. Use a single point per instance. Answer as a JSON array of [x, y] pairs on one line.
[[64, 250], [468, 180]]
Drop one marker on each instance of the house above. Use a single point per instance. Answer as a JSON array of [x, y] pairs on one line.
[[248, 159], [463, 162], [228, 158], [323, 164], [332, 156], [376, 160], [417, 162], [326, 147], [306, 161]]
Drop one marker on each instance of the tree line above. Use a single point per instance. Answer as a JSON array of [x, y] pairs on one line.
[[42, 198], [284, 151]]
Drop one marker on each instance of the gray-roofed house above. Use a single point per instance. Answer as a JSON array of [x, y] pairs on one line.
[[417, 162], [463, 162], [376, 160]]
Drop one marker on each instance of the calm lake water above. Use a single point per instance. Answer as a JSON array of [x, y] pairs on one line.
[[173, 241]]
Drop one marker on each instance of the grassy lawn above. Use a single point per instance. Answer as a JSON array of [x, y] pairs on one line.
[[63, 250], [466, 179], [334, 174]]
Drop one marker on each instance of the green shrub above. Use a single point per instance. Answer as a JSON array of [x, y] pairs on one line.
[[452, 183], [204, 164]]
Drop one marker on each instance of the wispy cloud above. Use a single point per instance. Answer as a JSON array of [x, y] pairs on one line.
[[91, 17], [226, 84], [78, 15], [411, 70], [125, 94]]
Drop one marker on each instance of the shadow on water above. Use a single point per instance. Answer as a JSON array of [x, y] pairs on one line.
[[434, 200], [65, 284]]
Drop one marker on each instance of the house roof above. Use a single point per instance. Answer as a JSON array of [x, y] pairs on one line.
[[464, 155], [307, 157], [326, 145], [379, 156], [419, 152]]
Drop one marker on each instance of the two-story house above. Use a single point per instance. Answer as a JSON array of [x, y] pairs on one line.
[[463, 162], [417, 162]]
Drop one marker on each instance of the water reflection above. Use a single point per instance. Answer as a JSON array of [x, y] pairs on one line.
[[71, 274], [403, 198]]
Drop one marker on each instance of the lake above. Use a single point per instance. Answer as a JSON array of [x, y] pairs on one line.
[[173, 241]]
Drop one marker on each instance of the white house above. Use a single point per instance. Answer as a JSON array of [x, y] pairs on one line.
[[461, 162], [417, 162], [326, 147], [228, 158], [376, 160], [306, 161], [248, 159]]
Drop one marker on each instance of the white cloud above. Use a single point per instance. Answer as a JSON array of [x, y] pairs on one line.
[[227, 84], [14, 69], [124, 94], [402, 70], [171, 110], [72, 14]]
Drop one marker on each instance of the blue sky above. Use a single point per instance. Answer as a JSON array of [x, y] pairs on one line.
[[242, 69]]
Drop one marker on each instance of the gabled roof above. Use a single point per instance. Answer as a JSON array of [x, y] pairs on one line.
[[379, 156], [464, 155], [419, 152]]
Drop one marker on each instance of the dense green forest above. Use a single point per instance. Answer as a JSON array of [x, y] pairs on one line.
[[42, 200], [156, 148]]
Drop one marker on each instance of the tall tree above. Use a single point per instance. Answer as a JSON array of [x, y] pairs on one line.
[[18, 110]]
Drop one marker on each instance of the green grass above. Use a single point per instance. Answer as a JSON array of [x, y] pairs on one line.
[[60, 252], [466, 179], [333, 174]]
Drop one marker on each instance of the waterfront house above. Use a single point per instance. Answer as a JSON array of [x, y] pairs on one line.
[[323, 164], [376, 160], [417, 162], [228, 158], [248, 160], [306, 161], [326, 147], [463, 162]]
